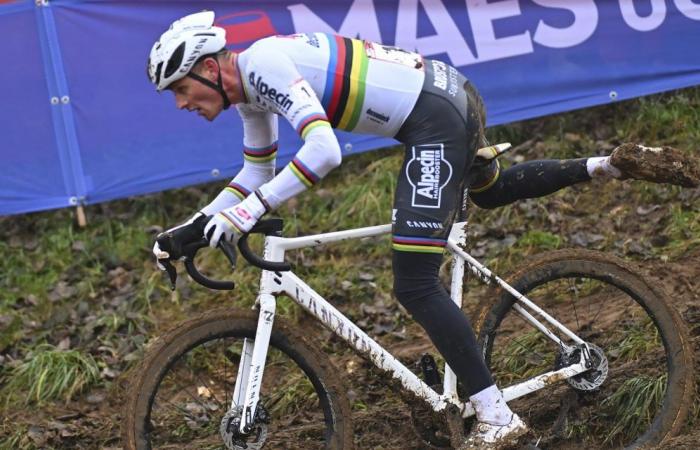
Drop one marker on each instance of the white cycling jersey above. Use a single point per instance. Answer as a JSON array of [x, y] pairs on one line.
[[317, 82]]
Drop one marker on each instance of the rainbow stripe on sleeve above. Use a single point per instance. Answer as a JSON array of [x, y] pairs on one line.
[[344, 93], [308, 123], [417, 244], [230, 220], [260, 154], [305, 175], [238, 190]]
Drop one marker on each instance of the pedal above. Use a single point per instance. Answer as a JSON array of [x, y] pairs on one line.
[[431, 375]]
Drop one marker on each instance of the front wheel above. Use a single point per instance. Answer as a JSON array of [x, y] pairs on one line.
[[184, 386], [644, 396]]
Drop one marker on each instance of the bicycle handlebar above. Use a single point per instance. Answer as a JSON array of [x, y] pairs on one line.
[[267, 227], [190, 253], [171, 241]]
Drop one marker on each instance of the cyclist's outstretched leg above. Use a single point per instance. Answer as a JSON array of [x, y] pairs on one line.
[[491, 187]]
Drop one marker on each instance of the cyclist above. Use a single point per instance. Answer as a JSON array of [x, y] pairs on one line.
[[318, 82]]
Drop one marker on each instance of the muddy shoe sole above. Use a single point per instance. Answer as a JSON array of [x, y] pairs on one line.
[[510, 442], [656, 164]]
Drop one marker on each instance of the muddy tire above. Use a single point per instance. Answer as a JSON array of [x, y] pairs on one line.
[[183, 387], [644, 398]]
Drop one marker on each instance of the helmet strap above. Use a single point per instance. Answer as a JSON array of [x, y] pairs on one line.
[[218, 86]]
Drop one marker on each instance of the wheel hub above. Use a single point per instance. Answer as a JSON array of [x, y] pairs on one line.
[[234, 439], [594, 377]]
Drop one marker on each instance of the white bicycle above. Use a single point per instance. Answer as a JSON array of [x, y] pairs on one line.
[[573, 338]]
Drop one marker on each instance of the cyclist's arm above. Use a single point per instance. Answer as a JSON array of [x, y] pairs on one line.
[[259, 152], [295, 100]]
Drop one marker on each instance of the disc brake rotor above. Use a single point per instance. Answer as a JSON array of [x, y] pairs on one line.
[[594, 377], [234, 440]]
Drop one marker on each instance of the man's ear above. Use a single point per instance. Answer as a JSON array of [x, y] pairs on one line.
[[210, 65]]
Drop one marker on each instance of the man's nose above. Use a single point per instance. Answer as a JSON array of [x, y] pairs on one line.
[[180, 102]]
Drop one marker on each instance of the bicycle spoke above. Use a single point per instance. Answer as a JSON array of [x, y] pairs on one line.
[[578, 323]]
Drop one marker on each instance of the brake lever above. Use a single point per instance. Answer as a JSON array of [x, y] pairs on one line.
[[230, 252], [172, 272]]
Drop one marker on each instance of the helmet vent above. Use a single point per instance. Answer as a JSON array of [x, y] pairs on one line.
[[160, 66], [175, 60]]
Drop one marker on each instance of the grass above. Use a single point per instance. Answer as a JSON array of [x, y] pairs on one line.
[[52, 374], [632, 406], [522, 357], [16, 438], [636, 340], [295, 394], [539, 240], [683, 228]]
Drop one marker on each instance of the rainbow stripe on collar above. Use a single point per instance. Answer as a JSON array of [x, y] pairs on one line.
[[344, 93]]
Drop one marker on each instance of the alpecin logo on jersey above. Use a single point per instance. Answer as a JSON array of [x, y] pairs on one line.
[[280, 98], [428, 172]]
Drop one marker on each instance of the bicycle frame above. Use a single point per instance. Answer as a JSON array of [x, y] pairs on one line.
[[251, 368]]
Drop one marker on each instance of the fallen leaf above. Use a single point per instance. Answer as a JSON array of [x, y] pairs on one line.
[[37, 435], [64, 344], [62, 291], [95, 398], [109, 373], [203, 391]]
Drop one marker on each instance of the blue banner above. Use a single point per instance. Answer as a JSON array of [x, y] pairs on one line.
[[81, 123]]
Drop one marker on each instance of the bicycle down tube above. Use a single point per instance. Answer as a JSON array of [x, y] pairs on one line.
[[275, 283]]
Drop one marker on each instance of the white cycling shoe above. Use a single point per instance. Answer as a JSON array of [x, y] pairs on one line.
[[485, 436]]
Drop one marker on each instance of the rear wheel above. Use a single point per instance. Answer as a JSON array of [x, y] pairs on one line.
[[182, 391], [645, 394]]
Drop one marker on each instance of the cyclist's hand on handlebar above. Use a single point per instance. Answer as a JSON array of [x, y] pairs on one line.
[[231, 223], [181, 234]]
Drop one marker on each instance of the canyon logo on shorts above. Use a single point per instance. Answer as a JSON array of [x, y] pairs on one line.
[[428, 172]]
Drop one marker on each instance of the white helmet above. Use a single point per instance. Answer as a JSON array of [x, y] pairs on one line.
[[182, 45]]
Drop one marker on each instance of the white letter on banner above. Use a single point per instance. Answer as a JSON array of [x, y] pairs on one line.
[[647, 23], [688, 9], [447, 40], [360, 21], [585, 22], [481, 17]]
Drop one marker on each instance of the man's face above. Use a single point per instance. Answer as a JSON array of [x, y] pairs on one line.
[[192, 95]]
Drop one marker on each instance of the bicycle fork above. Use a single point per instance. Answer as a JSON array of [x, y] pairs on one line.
[[252, 366]]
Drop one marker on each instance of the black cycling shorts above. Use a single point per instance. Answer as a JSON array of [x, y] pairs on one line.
[[441, 136]]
